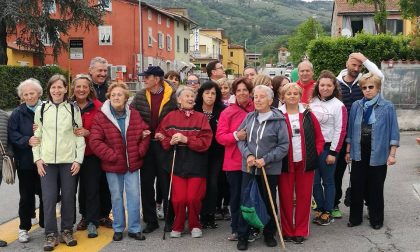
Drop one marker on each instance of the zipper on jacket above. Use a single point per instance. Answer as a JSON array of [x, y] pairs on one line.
[[56, 135]]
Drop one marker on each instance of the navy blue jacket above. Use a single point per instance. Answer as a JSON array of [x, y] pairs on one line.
[[20, 131]]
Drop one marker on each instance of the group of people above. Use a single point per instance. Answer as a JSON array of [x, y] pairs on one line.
[[195, 147]]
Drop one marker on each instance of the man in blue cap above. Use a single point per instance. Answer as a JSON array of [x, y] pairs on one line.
[[154, 101]]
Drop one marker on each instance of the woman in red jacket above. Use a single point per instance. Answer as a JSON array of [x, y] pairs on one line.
[[297, 177], [117, 139], [190, 133], [90, 171]]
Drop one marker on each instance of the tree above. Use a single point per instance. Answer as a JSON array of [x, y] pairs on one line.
[[305, 32], [410, 8], [380, 12], [33, 23]]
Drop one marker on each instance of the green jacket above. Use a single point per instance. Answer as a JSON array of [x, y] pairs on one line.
[[59, 145]]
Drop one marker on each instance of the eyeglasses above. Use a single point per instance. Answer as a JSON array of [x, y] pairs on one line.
[[368, 87], [190, 82]]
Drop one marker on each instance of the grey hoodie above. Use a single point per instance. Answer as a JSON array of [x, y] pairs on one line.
[[268, 140]]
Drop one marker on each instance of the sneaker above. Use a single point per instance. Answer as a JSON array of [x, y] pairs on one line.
[[3, 243], [50, 242], [233, 237], [175, 234], [82, 225], [196, 233], [159, 212], [92, 232], [34, 221], [226, 213], [219, 214], [23, 236], [67, 238], [317, 214], [105, 222], [288, 238], [298, 239], [242, 244], [336, 213], [325, 219], [270, 241], [254, 234]]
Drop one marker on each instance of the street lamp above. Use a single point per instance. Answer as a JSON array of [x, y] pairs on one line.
[[255, 54]]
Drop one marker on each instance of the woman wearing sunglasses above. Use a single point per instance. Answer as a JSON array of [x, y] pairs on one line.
[[373, 137]]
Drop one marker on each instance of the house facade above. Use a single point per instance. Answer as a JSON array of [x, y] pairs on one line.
[[233, 57], [205, 46]]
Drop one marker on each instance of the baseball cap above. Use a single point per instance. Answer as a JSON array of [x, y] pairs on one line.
[[153, 70]]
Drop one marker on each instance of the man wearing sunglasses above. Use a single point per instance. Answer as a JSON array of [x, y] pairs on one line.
[[351, 92]]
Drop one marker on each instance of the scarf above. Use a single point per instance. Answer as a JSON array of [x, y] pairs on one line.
[[33, 108], [187, 112], [368, 112]]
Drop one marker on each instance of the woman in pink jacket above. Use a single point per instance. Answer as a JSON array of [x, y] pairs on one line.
[[227, 134]]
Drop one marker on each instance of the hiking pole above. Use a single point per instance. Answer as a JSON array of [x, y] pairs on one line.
[[169, 193], [273, 208]]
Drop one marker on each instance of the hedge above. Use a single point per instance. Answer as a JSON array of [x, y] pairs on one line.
[[11, 76], [332, 52]]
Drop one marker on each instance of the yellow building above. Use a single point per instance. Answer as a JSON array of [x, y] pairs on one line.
[[19, 57], [233, 57]]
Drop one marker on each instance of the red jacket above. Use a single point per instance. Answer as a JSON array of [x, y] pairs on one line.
[[108, 144], [229, 121], [307, 90], [88, 113]]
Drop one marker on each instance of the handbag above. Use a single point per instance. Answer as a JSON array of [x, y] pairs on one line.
[[347, 197], [8, 169]]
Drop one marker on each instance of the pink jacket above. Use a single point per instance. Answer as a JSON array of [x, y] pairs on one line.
[[229, 121]]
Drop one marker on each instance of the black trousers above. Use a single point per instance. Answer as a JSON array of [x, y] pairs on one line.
[[367, 180], [270, 227], [154, 166], [223, 194], [210, 200], [235, 184], [340, 169], [29, 187]]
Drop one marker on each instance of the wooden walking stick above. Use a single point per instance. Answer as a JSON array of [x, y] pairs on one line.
[[273, 208]]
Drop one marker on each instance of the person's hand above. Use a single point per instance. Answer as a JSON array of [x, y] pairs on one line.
[[81, 132], [391, 160], [178, 138], [40, 167], [250, 161], [145, 133], [260, 163], [159, 136], [347, 158], [330, 160], [75, 168], [418, 140], [241, 134], [34, 127], [358, 56], [34, 141]]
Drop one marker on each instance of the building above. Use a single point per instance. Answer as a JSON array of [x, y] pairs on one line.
[[283, 55], [348, 19], [253, 59], [18, 56], [233, 57], [206, 46]]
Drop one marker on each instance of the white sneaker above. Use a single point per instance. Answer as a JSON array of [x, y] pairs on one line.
[[175, 234], [196, 233], [159, 212], [23, 236], [34, 221]]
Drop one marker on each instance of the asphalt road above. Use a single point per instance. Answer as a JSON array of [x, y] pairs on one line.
[[401, 231]]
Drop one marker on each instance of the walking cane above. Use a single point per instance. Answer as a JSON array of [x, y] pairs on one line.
[[169, 192], [273, 208]]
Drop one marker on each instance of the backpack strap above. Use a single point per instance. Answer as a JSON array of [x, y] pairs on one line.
[[72, 116]]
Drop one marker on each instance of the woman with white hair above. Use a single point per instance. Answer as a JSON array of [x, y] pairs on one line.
[[21, 137]]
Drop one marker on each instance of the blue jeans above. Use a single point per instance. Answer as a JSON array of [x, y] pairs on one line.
[[324, 194], [131, 182]]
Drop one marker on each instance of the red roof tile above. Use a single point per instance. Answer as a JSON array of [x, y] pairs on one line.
[[342, 6], [234, 46]]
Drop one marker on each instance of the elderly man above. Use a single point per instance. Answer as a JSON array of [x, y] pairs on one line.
[[306, 73], [250, 73], [351, 92], [154, 102], [215, 70], [98, 71]]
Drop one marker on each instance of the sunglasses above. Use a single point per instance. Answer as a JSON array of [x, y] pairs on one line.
[[368, 87], [190, 82]]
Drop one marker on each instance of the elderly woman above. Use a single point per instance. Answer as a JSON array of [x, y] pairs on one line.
[[373, 137], [90, 171], [332, 116], [209, 102], [228, 135], [58, 158], [21, 137], [188, 133], [262, 79], [116, 137], [265, 146], [3, 138], [297, 176]]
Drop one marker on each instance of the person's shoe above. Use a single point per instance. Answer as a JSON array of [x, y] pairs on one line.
[[105, 222], [270, 241], [226, 213], [350, 224], [317, 215], [34, 221], [23, 236], [91, 229], [298, 239], [242, 244], [3, 243], [67, 238], [325, 219], [175, 234], [150, 228], [138, 236], [118, 236], [288, 238], [196, 233], [159, 212], [233, 237], [336, 213], [82, 225], [51, 241], [219, 214], [209, 222], [167, 228], [376, 226], [254, 234]]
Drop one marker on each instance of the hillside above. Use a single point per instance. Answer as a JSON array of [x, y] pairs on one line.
[[254, 20]]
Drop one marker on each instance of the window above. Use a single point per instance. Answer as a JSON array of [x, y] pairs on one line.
[[231, 54], [160, 40], [51, 7], [177, 43], [159, 19], [45, 37], [150, 37], [106, 4], [186, 45], [168, 43], [203, 49], [149, 14], [105, 35], [168, 22], [185, 27], [394, 26]]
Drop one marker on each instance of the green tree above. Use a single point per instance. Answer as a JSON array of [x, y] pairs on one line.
[[410, 8], [380, 12], [305, 32], [33, 22]]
